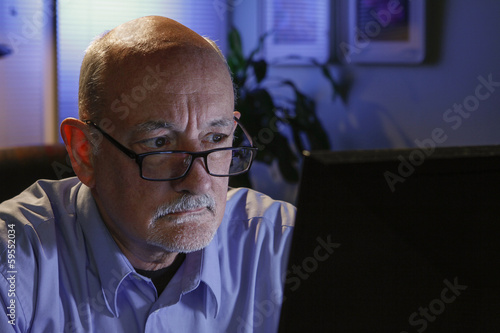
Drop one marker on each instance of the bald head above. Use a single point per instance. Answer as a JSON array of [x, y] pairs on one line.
[[153, 33], [133, 43]]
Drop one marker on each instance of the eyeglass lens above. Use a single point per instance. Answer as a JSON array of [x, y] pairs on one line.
[[219, 163]]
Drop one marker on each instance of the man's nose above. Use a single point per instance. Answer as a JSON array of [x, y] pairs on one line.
[[196, 181]]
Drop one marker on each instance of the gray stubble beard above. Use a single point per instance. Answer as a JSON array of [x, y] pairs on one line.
[[188, 237]]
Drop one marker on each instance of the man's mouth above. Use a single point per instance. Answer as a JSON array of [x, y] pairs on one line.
[[188, 212], [186, 206]]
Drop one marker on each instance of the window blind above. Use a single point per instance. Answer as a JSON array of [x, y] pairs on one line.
[[80, 21], [297, 28], [23, 27]]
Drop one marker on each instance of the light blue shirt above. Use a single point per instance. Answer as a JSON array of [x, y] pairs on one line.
[[61, 271]]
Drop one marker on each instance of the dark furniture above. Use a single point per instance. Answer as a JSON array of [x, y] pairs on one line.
[[22, 166], [396, 241]]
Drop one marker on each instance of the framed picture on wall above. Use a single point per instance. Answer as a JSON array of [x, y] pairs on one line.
[[297, 30], [383, 31]]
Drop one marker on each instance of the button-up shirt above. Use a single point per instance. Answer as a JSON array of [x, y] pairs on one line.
[[61, 270]]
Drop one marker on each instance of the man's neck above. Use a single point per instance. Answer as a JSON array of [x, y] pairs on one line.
[[147, 260], [162, 277]]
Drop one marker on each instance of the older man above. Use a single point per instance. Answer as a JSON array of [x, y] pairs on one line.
[[148, 238]]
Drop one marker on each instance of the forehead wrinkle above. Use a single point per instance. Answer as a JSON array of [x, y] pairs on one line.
[[152, 125]]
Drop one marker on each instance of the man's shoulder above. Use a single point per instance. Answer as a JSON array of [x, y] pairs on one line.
[[29, 247], [39, 202], [254, 217], [244, 203], [32, 214]]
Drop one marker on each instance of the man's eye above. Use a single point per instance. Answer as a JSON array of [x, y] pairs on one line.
[[218, 138], [155, 143], [160, 142]]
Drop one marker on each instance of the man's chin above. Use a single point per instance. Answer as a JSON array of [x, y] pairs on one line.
[[182, 234], [181, 219], [183, 245]]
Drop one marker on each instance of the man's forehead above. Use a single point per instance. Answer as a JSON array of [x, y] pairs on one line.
[[185, 73]]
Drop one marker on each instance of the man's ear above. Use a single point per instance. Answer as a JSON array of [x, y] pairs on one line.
[[79, 146]]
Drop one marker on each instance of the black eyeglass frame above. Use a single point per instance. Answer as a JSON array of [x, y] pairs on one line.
[[194, 155]]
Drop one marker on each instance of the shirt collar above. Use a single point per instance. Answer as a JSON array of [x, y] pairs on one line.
[[199, 269], [111, 264]]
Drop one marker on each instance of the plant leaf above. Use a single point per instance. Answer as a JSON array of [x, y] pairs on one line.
[[260, 69], [235, 41], [235, 59], [259, 47]]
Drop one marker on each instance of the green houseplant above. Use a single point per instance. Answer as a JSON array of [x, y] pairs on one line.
[[268, 117]]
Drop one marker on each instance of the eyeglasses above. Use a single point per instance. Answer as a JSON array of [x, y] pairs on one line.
[[175, 164]]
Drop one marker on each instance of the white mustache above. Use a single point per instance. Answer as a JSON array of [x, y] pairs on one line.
[[186, 203]]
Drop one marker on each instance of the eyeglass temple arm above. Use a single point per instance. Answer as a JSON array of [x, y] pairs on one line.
[[118, 145]]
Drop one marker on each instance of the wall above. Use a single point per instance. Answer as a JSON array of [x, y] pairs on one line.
[[27, 76], [393, 106]]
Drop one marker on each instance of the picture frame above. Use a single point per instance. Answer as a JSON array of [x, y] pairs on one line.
[[298, 31], [383, 32]]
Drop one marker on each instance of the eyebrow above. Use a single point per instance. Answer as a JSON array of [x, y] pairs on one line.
[[153, 125], [223, 122]]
